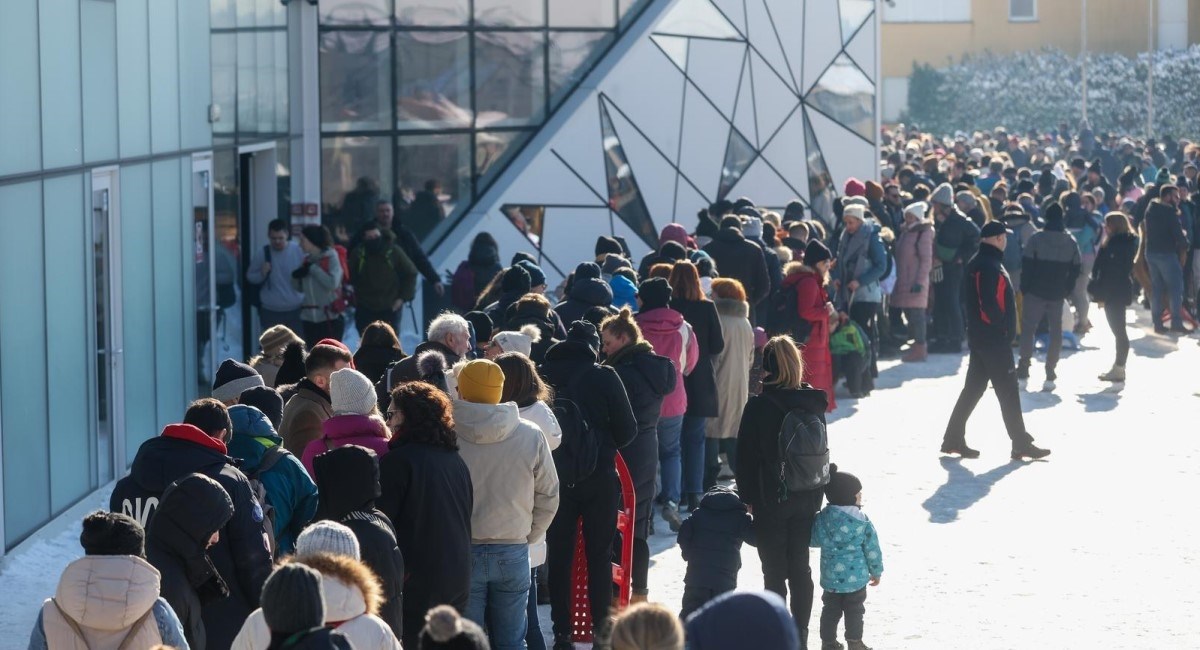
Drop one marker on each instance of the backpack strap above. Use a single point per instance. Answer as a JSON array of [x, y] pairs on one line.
[[273, 455]]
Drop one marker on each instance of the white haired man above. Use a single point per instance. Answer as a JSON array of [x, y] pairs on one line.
[[448, 334]]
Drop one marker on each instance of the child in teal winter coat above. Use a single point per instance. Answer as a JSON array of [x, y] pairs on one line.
[[850, 559]]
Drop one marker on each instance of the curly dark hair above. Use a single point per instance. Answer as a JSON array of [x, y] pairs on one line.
[[427, 416]]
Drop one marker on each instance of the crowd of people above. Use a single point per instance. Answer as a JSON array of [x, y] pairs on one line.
[[377, 499]]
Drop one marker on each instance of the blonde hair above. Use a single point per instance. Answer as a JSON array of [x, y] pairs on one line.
[[782, 363], [647, 626], [1118, 222], [622, 324]]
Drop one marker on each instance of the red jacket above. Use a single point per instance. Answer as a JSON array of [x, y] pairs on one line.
[[810, 300]]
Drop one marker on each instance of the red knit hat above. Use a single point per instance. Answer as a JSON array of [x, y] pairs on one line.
[[854, 187]]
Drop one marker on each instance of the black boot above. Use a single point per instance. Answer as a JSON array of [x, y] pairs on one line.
[[960, 448], [1029, 450]]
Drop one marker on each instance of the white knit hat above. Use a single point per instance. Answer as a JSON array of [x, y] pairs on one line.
[[918, 208], [856, 211], [351, 393], [327, 537], [521, 341]]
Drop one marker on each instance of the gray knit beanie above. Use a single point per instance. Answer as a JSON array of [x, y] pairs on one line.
[[327, 537]]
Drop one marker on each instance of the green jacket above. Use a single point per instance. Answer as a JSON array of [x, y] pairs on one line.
[[382, 272]]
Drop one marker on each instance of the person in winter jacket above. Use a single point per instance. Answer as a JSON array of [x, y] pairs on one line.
[[273, 341], [731, 368], [186, 524], [515, 283], [534, 309], [648, 378], [588, 290], [782, 519], [426, 492], [711, 543], [355, 420], [955, 242], [672, 337], [84, 609], [862, 261], [351, 596], [378, 349], [241, 555], [1050, 265], [914, 261], [991, 309], [384, 277], [483, 265], [743, 619], [1112, 284], [294, 611], [810, 279], [604, 405], [448, 334], [349, 481], [291, 493], [1085, 224], [306, 411], [624, 292], [231, 379], [1166, 248], [320, 279], [674, 233], [740, 259], [752, 228], [1020, 222], [850, 560]]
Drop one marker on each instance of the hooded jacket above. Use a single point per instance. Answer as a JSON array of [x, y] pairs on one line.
[[241, 555], [850, 554], [512, 473], [914, 261], [585, 294], [605, 405], [290, 489], [742, 260], [758, 448], [731, 368], [988, 300], [1164, 233], [1050, 264], [349, 482], [1112, 275], [711, 538], [810, 302], [304, 415], [701, 383], [110, 598], [672, 337], [540, 317], [353, 429]]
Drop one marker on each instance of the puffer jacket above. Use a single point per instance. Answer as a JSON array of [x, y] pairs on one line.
[[585, 294], [320, 285], [711, 540], [341, 430], [512, 471], [914, 260], [701, 383], [810, 302], [732, 368], [672, 337], [850, 554], [110, 599], [290, 488], [1050, 265]]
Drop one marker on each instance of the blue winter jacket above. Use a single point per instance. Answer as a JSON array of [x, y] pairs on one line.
[[292, 492], [849, 546]]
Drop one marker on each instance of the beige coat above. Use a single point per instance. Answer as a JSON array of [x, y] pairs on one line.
[[109, 597], [732, 368], [303, 417]]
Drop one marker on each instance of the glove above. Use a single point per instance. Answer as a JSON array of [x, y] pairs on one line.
[[301, 272], [916, 288]]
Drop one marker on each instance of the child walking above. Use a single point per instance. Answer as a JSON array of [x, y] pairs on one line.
[[711, 542], [850, 559]]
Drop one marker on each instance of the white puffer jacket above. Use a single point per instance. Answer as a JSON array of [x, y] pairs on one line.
[[542, 415], [108, 597]]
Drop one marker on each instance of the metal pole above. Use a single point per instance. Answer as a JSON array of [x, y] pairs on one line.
[[1083, 53], [1150, 69]]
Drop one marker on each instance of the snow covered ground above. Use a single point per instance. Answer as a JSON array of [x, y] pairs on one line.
[[1093, 548]]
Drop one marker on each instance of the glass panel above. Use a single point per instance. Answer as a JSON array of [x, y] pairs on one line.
[[355, 174], [492, 149], [435, 178], [354, 12], [133, 79], [432, 13], [227, 337], [511, 13], [164, 77], [265, 89], [102, 285], [223, 13], [99, 43], [820, 183], [168, 300], [355, 80], [62, 133], [738, 156], [854, 13], [224, 80], [196, 75], [282, 118], [264, 11], [529, 219], [434, 80], [847, 96], [573, 13], [624, 197], [283, 177], [247, 15], [137, 311], [510, 87], [200, 235], [571, 56], [696, 18], [247, 82]]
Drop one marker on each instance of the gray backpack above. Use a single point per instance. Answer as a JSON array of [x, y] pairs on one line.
[[803, 451]]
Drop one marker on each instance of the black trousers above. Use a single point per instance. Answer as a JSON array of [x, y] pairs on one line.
[[947, 306], [696, 597], [864, 313], [853, 605], [713, 448], [595, 501], [1115, 314], [991, 364], [783, 534]]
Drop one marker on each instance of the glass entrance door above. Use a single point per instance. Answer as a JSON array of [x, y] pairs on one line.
[[105, 278], [202, 247]]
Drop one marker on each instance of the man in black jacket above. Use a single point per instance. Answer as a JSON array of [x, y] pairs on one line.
[[241, 555], [955, 242], [741, 260], [1166, 245], [991, 310]]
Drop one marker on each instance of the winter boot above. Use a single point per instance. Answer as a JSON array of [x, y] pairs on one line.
[[1117, 374], [693, 501], [670, 514], [959, 448], [832, 645], [917, 352], [856, 644], [1030, 451], [1049, 385], [563, 642]]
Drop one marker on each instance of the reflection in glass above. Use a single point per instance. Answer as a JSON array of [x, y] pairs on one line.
[[529, 219], [247, 81], [432, 13], [281, 83], [510, 86], [738, 156], [355, 173], [854, 13], [571, 56], [434, 172], [265, 90], [696, 18], [492, 148], [512, 13], [624, 197], [224, 79], [846, 95], [354, 12], [433, 80], [820, 184], [355, 80], [573, 13], [227, 337]]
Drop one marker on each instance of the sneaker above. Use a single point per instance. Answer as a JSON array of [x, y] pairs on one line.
[[1179, 329], [1029, 451], [1117, 374], [856, 644], [670, 514], [832, 645], [960, 448]]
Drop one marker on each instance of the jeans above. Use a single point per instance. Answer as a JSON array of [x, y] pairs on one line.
[[947, 306], [989, 364], [853, 605], [1035, 309], [500, 592], [916, 323], [595, 501], [670, 431], [533, 631], [692, 447], [268, 318], [1079, 295], [1115, 314], [1166, 275], [713, 448]]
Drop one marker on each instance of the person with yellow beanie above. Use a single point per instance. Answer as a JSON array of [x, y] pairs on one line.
[[515, 487]]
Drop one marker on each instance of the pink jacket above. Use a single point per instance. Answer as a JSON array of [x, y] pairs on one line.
[[666, 330], [342, 430]]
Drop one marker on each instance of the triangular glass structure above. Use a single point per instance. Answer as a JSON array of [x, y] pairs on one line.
[[854, 13], [820, 184], [846, 96], [530, 220], [696, 18], [624, 197], [739, 153], [675, 47]]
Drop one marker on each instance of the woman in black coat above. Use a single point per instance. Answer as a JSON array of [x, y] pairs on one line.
[[782, 520], [378, 349], [688, 299], [648, 378], [1112, 284], [426, 492]]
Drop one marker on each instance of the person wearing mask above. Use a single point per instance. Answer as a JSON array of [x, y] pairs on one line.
[[955, 241], [384, 278], [648, 378], [1166, 247], [783, 519], [320, 278], [740, 259], [271, 269], [809, 280], [426, 492], [700, 385], [1050, 265], [914, 261], [862, 261], [306, 411], [731, 369], [1112, 284]]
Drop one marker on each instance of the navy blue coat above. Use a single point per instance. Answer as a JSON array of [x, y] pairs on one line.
[[711, 540]]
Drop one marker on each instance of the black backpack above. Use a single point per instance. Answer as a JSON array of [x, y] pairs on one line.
[[784, 317], [576, 457], [803, 450]]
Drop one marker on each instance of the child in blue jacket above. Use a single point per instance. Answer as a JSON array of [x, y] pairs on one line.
[[850, 559]]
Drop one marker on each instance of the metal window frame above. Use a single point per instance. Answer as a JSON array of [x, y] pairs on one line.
[[1032, 18]]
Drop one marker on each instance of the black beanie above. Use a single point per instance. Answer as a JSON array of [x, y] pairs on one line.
[[655, 293], [482, 323], [232, 378], [522, 256], [731, 222], [584, 332], [292, 599], [605, 245], [445, 628], [587, 271], [816, 252], [266, 400], [843, 489], [706, 227], [112, 533], [516, 280], [672, 250], [292, 368], [1054, 218]]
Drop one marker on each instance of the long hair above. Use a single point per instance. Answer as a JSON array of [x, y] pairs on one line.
[[426, 413], [522, 384], [685, 282], [782, 363], [1118, 222], [381, 335]]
